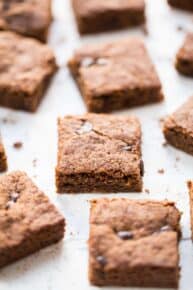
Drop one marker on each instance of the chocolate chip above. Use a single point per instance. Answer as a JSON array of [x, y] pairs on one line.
[[102, 61], [14, 196], [166, 228], [127, 148], [125, 235], [102, 260], [141, 168], [86, 128], [87, 61]]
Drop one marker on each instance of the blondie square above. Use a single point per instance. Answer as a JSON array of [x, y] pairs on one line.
[[99, 153], [28, 221], [184, 58], [96, 16], [3, 158], [27, 17], [26, 68], [182, 4], [115, 75], [134, 243], [178, 129], [190, 187]]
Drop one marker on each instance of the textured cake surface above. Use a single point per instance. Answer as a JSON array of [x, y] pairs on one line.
[[130, 237], [99, 153]]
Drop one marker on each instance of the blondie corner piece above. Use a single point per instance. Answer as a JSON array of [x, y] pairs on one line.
[[182, 4], [99, 153], [178, 128], [190, 187], [184, 58], [29, 18], [28, 221], [134, 243], [3, 157], [26, 69], [115, 75], [94, 16]]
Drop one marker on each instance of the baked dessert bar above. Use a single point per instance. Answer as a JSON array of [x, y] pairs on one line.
[[28, 220], [184, 58], [178, 128], [3, 158], [99, 153], [182, 4], [27, 17], [94, 16], [115, 75], [26, 69], [134, 243]]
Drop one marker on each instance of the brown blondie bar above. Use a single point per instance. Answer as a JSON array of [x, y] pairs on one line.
[[182, 4], [178, 128], [29, 17], [134, 243], [184, 58], [28, 221], [99, 153], [26, 69], [115, 75], [3, 157], [97, 16]]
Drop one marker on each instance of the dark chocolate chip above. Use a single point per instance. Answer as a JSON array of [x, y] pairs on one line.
[[86, 128], [141, 167], [87, 61], [125, 235], [127, 148], [102, 260], [14, 196], [166, 228]]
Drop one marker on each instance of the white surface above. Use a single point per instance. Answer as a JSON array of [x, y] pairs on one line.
[[64, 266]]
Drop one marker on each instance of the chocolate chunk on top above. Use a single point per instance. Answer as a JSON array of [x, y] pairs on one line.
[[138, 240], [115, 75], [28, 220], [92, 155]]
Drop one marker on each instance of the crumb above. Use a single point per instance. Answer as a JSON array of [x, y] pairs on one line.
[[161, 120], [180, 28], [164, 144], [34, 162], [145, 29], [147, 191], [7, 120], [177, 158], [161, 171], [18, 145]]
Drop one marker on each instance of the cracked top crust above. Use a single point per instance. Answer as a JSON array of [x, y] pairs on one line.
[[24, 209], [112, 67], [127, 233], [29, 17], [25, 63], [89, 7], [182, 119], [99, 143], [186, 51]]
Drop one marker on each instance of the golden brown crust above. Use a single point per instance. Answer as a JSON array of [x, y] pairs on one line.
[[178, 129], [28, 220], [115, 75], [129, 237], [98, 152], [26, 68], [29, 17], [184, 58], [3, 157]]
